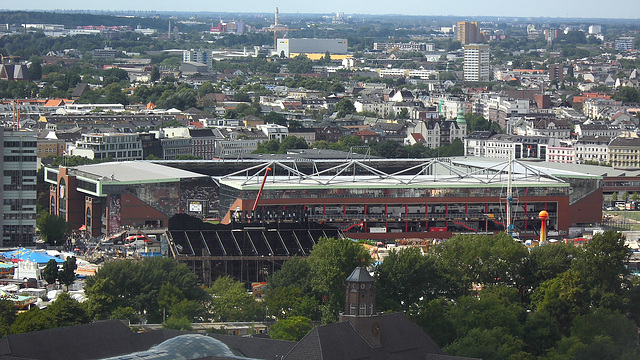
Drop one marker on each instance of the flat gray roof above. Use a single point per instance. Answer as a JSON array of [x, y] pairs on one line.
[[131, 172]]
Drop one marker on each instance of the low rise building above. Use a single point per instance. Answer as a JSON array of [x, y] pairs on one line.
[[118, 147], [593, 149], [624, 153]]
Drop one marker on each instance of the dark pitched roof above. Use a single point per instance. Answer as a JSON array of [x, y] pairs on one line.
[[400, 339], [80, 90], [256, 347], [87, 341], [622, 141], [201, 133], [360, 274]]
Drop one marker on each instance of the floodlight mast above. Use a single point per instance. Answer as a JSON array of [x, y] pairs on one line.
[[510, 227]]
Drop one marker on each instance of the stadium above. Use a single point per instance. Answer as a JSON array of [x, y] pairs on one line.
[[269, 211]]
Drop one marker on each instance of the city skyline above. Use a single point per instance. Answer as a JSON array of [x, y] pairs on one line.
[[616, 9]]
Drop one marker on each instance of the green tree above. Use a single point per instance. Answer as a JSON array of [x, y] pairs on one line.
[[301, 64], [65, 311], [292, 142], [562, 298], [137, 284], [32, 320], [294, 272], [67, 276], [174, 303], [331, 261], [177, 323], [434, 318], [7, 316], [274, 118], [608, 253], [155, 74], [283, 302], [53, 229], [268, 147], [126, 313], [50, 272], [113, 94], [292, 329], [495, 307], [35, 69], [488, 344], [230, 301], [603, 334], [541, 333], [547, 262], [403, 114], [481, 259], [398, 275], [103, 299], [627, 94], [344, 107], [182, 99]]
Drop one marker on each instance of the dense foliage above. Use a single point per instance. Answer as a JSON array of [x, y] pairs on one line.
[[153, 287]]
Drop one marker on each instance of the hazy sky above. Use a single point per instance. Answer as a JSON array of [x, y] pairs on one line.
[[628, 9]]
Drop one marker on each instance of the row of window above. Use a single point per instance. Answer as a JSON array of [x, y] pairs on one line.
[[24, 158], [17, 144], [20, 173], [12, 187], [20, 216], [19, 202]]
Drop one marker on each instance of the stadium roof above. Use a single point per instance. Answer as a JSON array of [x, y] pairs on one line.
[[130, 172], [356, 174], [553, 169]]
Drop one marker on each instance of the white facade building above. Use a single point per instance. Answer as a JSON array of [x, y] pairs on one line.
[[561, 154], [476, 62], [119, 147], [199, 56], [592, 148], [273, 131], [294, 47]]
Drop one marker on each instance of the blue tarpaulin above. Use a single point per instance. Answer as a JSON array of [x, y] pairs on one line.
[[26, 254]]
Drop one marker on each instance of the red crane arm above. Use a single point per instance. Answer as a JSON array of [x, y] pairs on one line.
[[255, 204]]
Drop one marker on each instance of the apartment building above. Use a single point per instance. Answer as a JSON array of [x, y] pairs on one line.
[[624, 153], [198, 56], [468, 32], [18, 193], [561, 154], [593, 149], [476, 62]]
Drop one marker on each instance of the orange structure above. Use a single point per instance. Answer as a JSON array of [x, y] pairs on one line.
[[544, 216]]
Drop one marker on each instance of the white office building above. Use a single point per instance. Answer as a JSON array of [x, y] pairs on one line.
[[294, 47], [476, 62], [116, 147], [198, 56]]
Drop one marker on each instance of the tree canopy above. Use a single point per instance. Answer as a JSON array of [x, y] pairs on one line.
[[138, 285]]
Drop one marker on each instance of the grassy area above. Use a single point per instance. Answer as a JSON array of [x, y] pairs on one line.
[[629, 214], [624, 220]]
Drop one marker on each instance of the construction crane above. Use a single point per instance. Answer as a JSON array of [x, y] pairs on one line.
[[277, 27], [2, 57], [16, 111]]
